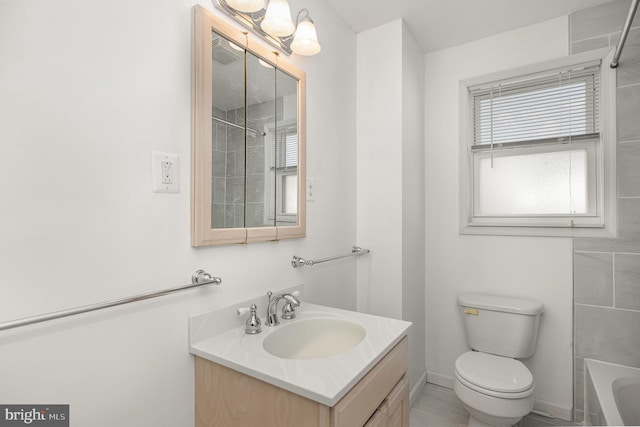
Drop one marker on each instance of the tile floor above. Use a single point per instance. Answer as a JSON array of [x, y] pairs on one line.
[[440, 407]]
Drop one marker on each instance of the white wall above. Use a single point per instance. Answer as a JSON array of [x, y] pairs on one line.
[[390, 199], [379, 168], [539, 268], [88, 89]]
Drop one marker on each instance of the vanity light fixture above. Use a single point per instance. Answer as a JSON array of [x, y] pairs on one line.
[[272, 20], [305, 40], [277, 19]]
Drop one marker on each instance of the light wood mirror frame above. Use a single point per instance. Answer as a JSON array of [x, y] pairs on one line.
[[202, 233]]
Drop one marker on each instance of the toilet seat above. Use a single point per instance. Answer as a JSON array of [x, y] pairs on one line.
[[493, 375]]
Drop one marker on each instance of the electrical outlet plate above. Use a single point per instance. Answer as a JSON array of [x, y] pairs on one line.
[[165, 169]]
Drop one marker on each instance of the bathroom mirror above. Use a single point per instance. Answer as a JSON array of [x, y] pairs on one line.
[[248, 148]]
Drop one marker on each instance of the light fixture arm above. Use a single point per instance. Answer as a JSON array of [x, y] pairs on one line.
[[307, 17], [289, 38]]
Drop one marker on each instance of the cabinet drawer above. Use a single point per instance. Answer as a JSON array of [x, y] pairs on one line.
[[357, 406]]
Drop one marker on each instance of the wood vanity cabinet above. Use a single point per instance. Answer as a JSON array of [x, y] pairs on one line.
[[394, 410], [228, 398]]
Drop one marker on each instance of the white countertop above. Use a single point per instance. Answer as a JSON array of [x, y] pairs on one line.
[[323, 380]]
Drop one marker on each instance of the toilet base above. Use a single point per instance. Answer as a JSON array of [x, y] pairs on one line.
[[475, 423], [479, 419], [488, 411]]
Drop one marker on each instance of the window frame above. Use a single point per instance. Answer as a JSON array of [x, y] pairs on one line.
[[590, 218], [604, 223], [276, 174]]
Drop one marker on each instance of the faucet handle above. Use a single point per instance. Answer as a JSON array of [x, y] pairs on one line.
[[252, 325], [289, 311]]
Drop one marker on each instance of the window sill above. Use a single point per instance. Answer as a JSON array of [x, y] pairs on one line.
[[541, 231]]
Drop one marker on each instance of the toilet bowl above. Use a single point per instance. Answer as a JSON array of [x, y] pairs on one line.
[[496, 391], [494, 387]]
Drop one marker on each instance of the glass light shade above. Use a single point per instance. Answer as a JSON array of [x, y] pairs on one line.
[[236, 47], [264, 63], [305, 41], [246, 6], [277, 20]]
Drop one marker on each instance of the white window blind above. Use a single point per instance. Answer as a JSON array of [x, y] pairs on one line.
[[285, 147], [556, 106]]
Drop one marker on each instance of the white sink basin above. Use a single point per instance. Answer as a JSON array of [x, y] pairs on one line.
[[313, 338], [277, 355]]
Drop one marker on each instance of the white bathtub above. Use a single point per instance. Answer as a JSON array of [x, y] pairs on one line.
[[612, 394]]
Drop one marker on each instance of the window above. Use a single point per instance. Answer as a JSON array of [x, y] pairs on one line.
[[283, 170], [538, 149]]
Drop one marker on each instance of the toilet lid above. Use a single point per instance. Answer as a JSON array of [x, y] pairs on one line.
[[493, 372]]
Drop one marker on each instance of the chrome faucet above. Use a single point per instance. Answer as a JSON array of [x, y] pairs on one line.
[[272, 309]]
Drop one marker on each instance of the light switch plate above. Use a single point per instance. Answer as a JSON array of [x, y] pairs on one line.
[[311, 190], [165, 169]]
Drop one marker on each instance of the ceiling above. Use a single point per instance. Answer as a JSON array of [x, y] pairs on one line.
[[438, 24]]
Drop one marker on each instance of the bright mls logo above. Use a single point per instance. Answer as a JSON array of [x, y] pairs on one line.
[[34, 415]]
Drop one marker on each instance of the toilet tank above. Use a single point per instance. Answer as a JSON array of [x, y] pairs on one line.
[[500, 325]]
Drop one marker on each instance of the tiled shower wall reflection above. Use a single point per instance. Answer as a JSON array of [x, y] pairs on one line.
[[227, 209], [236, 202], [607, 271]]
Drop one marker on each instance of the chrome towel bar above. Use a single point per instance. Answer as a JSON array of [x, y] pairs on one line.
[[297, 261], [199, 278]]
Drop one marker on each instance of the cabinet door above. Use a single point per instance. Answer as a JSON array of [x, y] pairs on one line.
[[380, 418], [398, 402], [357, 406]]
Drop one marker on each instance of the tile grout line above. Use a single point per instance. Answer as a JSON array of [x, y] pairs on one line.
[[608, 307], [628, 85], [605, 252], [610, 34]]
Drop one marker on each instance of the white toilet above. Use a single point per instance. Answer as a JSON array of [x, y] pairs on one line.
[[493, 386]]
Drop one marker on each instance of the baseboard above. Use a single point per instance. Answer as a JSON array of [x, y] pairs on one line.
[[439, 379], [556, 411], [417, 388]]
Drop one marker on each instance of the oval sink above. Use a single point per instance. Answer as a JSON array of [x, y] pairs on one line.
[[314, 338]]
